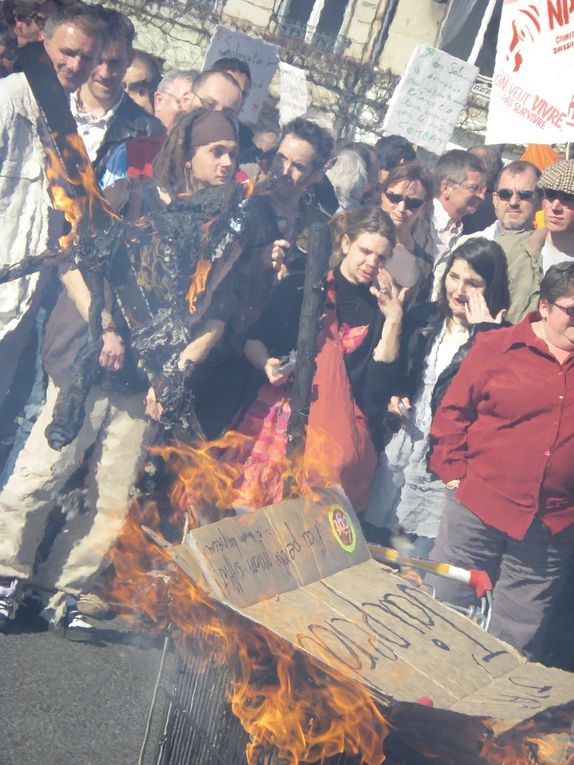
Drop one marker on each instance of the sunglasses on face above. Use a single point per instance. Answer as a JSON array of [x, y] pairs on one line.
[[565, 199], [507, 194], [568, 309], [411, 203]]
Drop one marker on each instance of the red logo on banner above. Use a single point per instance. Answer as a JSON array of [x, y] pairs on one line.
[[525, 29]]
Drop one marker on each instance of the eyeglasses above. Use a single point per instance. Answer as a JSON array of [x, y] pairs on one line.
[[411, 203], [179, 100], [506, 194], [568, 309], [565, 199], [474, 188]]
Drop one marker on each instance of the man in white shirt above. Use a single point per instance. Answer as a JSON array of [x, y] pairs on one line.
[[530, 254], [460, 187]]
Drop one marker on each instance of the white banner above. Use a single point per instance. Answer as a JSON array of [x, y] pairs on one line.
[[292, 93], [262, 58], [428, 100], [532, 97]]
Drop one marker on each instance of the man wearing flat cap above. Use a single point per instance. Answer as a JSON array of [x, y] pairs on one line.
[[531, 254]]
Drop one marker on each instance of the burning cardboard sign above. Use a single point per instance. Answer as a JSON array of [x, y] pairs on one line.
[[302, 569]]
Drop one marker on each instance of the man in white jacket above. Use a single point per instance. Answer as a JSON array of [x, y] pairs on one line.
[[74, 36]]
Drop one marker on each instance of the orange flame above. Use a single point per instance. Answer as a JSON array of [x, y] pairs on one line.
[[286, 701], [198, 283], [90, 205]]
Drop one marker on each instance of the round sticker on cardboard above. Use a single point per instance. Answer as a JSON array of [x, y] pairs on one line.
[[342, 528]]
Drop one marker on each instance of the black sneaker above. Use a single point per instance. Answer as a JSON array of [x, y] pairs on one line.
[[8, 602]]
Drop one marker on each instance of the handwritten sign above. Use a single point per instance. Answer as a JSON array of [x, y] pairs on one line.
[[293, 96], [261, 57], [427, 102], [532, 97], [302, 569]]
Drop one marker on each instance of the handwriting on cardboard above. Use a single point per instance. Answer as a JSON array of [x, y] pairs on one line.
[[427, 102]]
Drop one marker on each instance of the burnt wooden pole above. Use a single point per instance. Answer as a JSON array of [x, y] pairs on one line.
[[309, 323]]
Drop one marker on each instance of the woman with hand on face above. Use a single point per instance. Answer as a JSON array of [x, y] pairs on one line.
[[406, 195], [473, 297], [358, 340]]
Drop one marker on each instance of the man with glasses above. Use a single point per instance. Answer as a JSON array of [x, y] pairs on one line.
[[459, 189], [516, 201], [504, 442], [173, 96], [531, 254]]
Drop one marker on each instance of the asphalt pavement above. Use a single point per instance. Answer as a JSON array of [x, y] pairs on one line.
[[66, 703]]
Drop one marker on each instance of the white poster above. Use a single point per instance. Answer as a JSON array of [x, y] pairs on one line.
[[262, 58], [532, 98], [428, 100], [293, 96]]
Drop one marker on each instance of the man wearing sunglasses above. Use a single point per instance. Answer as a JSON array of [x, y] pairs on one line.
[[515, 199], [531, 254], [28, 18], [504, 441]]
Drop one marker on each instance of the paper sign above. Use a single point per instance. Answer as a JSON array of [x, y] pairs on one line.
[[262, 58], [427, 102], [293, 96], [532, 98], [302, 569]]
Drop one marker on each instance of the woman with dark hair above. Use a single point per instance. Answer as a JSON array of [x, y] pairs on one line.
[[358, 338], [435, 337], [405, 196]]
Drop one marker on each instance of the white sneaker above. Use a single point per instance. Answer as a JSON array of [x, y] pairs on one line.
[[8, 602]]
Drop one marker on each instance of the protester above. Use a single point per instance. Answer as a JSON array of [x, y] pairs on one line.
[[106, 116], [239, 70], [141, 79], [287, 211], [393, 150], [406, 195], [216, 90], [73, 40], [530, 254], [369, 157], [491, 158], [173, 96], [27, 18], [349, 178], [436, 336], [8, 50], [358, 339], [506, 451], [516, 200], [459, 189]]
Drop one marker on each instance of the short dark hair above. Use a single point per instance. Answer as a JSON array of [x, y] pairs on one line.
[[231, 64], [487, 258], [518, 167], [557, 282], [119, 26], [319, 138], [410, 172], [392, 150], [87, 17], [454, 165]]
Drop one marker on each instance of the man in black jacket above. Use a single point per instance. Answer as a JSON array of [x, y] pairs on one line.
[[106, 116]]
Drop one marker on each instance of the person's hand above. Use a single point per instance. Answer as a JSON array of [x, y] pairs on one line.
[[153, 408], [113, 351], [454, 484], [399, 405], [389, 297], [278, 253], [477, 310], [270, 369]]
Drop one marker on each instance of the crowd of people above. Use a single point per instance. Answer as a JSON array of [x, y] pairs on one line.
[[445, 355]]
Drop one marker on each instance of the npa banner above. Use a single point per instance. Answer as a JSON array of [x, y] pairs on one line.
[[532, 98], [428, 100]]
